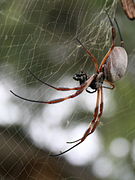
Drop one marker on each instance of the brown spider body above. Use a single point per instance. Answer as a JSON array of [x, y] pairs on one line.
[[116, 64], [112, 68]]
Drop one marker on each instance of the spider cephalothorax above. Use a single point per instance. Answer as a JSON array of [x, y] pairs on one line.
[[112, 68], [96, 82]]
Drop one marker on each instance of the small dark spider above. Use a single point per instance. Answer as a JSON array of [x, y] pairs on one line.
[[111, 69]]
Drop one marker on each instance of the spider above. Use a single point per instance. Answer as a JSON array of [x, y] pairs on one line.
[[112, 68]]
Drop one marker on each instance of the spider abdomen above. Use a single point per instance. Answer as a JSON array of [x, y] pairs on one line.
[[116, 64]]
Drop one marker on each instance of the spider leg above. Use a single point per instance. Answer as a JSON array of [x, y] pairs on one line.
[[87, 83], [111, 84], [121, 39], [112, 47], [49, 102], [57, 88], [100, 113], [107, 87], [70, 142], [89, 130], [93, 124], [54, 155], [94, 59], [96, 120]]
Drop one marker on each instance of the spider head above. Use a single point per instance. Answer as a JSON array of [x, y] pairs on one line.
[[81, 77]]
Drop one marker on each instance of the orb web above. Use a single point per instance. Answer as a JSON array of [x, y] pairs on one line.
[[40, 36]]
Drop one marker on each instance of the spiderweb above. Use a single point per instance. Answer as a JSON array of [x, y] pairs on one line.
[[40, 35]]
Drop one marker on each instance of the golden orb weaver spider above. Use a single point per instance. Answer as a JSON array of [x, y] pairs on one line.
[[112, 68]]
